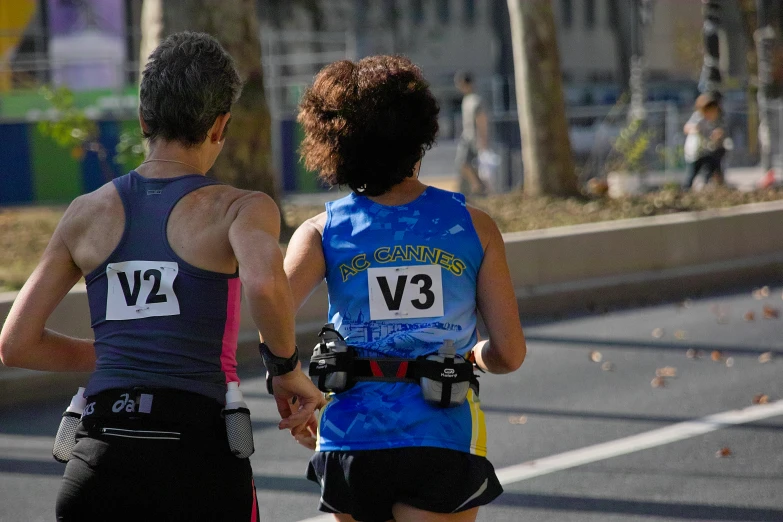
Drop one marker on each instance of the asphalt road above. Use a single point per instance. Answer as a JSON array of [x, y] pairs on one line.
[[559, 401]]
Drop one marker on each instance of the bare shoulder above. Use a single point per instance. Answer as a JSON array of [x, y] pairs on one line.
[[81, 213], [249, 202], [308, 234], [485, 226], [317, 223]]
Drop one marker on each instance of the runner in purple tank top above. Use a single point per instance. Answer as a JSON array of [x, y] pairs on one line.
[[164, 251]]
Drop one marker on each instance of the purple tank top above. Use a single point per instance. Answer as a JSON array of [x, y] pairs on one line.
[[159, 321]]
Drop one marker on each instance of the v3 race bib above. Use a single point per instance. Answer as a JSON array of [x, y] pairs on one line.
[[405, 292]]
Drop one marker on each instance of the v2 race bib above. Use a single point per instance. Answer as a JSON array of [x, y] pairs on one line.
[[139, 289], [405, 292]]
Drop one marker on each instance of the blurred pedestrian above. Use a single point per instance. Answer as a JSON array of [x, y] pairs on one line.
[[704, 142], [475, 136]]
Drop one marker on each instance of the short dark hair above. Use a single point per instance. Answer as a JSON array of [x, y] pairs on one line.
[[367, 124], [189, 81]]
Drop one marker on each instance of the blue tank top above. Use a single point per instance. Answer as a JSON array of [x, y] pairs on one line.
[[159, 321], [401, 281]]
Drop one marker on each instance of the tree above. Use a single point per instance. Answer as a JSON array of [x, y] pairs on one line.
[[748, 18], [546, 146], [246, 158]]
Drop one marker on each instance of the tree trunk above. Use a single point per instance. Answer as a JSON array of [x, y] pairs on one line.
[[620, 21], [766, 39], [747, 10], [246, 160], [710, 80], [546, 146]]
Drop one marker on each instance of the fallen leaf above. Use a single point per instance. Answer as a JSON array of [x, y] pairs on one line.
[[770, 312], [658, 333], [693, 354], [680, 334], [658, 382], [521, 419], [596, 356], [717, 356], [729, 362], [764, 291], [607, 366], [749, 316], [757, 294], [760, 399], [723, 452], [667, 371], [765, 357]]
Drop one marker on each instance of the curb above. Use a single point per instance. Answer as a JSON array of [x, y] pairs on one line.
[[565, 270]]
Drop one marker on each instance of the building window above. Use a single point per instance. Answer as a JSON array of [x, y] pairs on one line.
[[417, 11], [469, 14], [589, 14], [567, 13], [443, 11]]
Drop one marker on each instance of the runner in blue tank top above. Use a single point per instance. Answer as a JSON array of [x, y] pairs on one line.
[[407, 267], [163, 250]]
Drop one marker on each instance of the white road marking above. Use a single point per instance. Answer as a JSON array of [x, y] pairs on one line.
[[623, 446], [650, 439]]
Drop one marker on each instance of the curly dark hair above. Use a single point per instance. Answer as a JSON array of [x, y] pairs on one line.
[[367, 124], [188, 81]]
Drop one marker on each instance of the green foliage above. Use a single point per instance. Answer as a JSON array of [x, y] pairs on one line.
[[73, 129], [130, 149], [631, 147]]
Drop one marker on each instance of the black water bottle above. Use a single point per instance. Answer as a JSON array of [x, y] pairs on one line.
[[66, 433]]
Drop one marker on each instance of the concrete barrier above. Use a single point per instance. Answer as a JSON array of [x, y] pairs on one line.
[[555, 271]]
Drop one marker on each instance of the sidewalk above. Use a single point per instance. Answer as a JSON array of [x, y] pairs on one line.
[[744, 179]]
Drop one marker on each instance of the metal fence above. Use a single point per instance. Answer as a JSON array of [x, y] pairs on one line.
[[596, 131]]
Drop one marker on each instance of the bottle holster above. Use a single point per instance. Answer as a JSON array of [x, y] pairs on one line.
[[444, 381]]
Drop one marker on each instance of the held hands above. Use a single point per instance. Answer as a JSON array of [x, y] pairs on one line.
[[307, 434], [297, 398]]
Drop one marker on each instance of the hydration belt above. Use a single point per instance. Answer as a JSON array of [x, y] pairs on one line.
[[444, 377]]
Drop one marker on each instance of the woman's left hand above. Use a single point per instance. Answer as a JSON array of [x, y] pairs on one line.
[[307, 434]]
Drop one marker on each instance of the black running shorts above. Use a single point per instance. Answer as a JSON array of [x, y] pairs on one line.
[[131, 468], [366, 484]]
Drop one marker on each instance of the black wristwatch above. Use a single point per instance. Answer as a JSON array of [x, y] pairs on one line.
[[278, 365]]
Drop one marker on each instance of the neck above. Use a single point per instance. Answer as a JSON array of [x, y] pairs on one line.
[[167, 159], [404, 192]]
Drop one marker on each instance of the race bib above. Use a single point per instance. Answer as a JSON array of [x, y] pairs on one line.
[[405, 292], [139, 289]]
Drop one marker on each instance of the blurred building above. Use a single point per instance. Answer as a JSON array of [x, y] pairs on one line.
[[443, 36]]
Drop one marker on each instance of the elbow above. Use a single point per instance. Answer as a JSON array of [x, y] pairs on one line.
[[265, 289], [509, 360], [8, 353], [514, 360]]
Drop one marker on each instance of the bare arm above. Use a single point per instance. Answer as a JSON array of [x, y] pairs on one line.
[[25, 341], [254, 236], [505, 350], [304, 259]]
